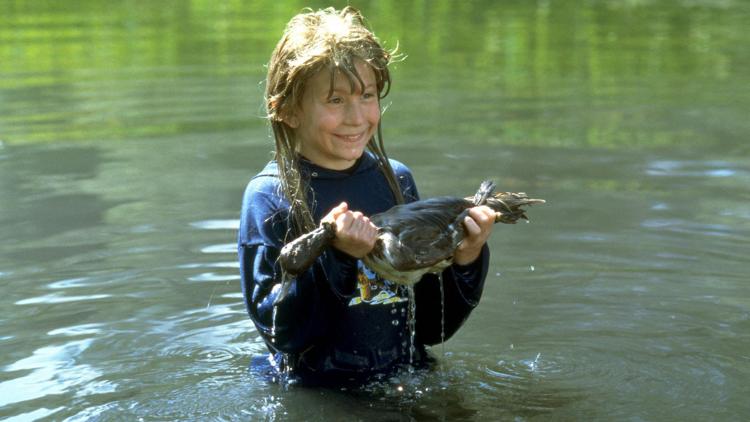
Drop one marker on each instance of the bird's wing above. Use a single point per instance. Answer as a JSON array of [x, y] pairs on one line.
[[428, 246], [426, 231], [424, 245]]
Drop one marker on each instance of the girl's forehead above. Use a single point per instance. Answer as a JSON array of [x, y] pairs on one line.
[[343, 81]]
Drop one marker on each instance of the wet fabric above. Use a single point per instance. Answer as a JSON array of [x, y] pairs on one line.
[[338, 319]]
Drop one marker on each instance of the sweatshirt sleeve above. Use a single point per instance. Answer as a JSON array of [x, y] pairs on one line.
[[292, 321], [461, 291]]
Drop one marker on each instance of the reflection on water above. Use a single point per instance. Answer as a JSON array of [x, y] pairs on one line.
[[127, 136], [584, 315]]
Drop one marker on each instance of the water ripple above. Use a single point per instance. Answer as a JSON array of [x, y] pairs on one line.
[[223, 248], [217, 224], [51, 370], [78, 330], [214, 277], [71, 282], [55, 298], [231, 264], [694, 168]]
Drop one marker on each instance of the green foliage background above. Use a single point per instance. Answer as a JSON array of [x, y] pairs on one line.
[[632, 73]]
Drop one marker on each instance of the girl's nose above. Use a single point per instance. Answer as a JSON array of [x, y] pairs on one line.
[[355, 114]]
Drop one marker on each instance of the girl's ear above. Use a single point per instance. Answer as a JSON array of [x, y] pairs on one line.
[[291, 120]]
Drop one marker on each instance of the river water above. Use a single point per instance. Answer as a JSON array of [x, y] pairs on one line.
[[128, 132]]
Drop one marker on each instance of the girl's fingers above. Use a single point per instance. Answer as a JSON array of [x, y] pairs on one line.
[[355, 233], [478, 224], [483, 215], [355, 225], [344, 222], [471, 226]]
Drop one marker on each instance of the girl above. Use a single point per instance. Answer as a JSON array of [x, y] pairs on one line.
[[338, 320]]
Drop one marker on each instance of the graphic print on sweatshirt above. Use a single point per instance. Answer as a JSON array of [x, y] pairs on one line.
[[373, 290]]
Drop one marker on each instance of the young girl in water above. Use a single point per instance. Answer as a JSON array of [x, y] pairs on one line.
[[338, 320]]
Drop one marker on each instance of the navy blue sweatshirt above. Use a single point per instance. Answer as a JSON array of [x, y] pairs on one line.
[[339, 320]]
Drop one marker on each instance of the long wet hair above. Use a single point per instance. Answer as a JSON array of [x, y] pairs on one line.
[[315, 41]]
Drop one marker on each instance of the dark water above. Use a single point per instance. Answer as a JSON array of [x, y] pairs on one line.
[[129, 129]]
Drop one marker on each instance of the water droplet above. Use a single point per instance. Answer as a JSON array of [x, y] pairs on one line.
[[511, 346], [394, 322], [497, 274], [531, 268], [393, 311]]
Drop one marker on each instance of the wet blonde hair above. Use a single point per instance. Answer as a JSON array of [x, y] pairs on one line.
[[315, 41]]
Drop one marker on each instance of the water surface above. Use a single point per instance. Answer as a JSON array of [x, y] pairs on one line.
[[128, 132]]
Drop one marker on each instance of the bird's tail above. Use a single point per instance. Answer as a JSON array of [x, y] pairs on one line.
[[506, 204]]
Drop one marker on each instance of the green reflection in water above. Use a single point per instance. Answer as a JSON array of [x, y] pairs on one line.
[[595, 73]]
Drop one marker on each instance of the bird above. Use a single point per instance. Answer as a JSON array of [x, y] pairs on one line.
[[415, 238]]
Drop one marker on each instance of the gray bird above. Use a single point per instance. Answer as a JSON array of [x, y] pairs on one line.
[[413, 239]]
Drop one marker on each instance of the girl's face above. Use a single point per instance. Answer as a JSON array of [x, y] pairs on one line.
[[333, 131]]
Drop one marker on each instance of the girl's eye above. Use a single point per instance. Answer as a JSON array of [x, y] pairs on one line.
[[368, 95], [335, 100]]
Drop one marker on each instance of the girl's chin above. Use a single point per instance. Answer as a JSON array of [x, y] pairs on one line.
[[339, 157], [350, 152], [347, 158]]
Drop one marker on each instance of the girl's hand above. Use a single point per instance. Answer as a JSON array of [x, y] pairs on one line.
[[478, 225], [355, 234]]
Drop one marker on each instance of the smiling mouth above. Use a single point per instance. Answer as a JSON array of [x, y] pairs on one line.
[[351, 138]]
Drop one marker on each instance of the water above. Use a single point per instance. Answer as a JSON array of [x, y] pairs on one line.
[[128, 132], [412, 321]]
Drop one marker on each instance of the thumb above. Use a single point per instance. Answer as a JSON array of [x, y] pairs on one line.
[[339, 209], [335, 212]]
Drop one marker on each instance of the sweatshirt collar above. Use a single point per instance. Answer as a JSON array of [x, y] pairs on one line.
[[366, 162]]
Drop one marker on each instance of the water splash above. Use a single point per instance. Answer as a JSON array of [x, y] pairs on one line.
[[210, 298], [412, 323], [534, 364], [273, 320]]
